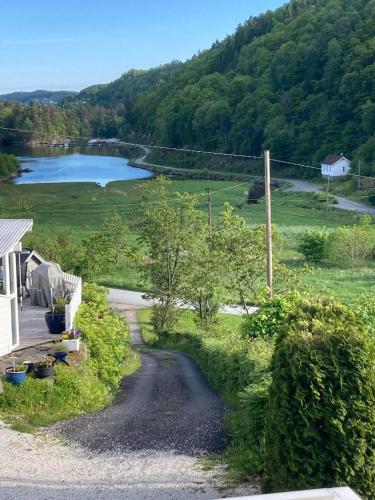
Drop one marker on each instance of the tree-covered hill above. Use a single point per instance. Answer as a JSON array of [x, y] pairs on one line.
[[42, 96], [300, 80]]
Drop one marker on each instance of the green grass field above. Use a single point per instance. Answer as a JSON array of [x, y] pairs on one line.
[[79, 208]]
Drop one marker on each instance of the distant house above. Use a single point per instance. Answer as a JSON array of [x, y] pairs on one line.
[[334, 166]]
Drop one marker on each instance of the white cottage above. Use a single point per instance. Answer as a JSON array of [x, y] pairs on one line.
[[11, 233], [335, 166]]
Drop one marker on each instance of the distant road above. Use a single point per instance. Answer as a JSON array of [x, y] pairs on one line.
[[136, 301], [343, 203]]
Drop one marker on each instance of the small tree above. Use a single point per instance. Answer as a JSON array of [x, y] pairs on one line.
[[170, 230], [321, 414], [116, 236]]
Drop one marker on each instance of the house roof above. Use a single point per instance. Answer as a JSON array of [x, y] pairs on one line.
[[332, 159], [11, 232]]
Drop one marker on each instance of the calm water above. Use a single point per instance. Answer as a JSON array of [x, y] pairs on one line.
[[55, 165]]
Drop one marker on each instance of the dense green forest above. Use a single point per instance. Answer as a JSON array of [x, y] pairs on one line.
[[300, 81]]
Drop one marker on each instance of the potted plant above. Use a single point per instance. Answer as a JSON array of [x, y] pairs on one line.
[[71, 339], [55, 318], [30, 366], [44, 367], [16, 374]]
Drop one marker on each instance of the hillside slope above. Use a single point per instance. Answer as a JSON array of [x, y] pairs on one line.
[[300, 80], [42, 96]]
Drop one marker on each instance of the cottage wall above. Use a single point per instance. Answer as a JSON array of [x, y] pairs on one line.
[[6, 340]]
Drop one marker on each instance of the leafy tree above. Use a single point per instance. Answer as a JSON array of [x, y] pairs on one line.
[[116, 236], [169, 231], [321, 414]]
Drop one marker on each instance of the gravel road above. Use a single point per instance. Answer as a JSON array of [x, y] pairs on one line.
[[343, 203], [166, 405]]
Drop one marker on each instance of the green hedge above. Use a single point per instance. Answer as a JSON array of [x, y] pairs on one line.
[[321, 414]]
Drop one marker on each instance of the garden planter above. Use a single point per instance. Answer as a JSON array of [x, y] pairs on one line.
[[29, 365], [55, 322], [72, 345], [44, 371], [60, 356], [16, 378]]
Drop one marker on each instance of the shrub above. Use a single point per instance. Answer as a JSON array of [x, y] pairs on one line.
[[351, 245], [320, 428], [267, 321], [105, 334], [313, 245], [364, 308], [321, 197]]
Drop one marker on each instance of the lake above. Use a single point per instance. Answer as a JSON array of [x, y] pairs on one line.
[[83, 164]]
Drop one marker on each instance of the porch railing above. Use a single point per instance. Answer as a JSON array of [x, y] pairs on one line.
[[73, 284]]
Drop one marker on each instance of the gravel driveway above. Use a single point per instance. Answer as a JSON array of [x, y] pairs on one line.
[[146, 446], [166, 405]]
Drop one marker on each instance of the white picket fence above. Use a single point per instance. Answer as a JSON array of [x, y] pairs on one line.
[[73, 284]]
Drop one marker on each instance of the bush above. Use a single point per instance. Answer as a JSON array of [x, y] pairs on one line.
[[321, 197], [313, 245], [320, 428], [349, 246], [364, 308], [105, 334], [267, 321]]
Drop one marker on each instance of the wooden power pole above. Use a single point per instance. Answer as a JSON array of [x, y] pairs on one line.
[[209, 207], [267, 189]]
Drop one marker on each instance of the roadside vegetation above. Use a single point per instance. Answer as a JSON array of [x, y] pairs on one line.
[[299, 373], [76, 390]]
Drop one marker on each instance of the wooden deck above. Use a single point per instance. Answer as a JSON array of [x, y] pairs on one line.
[[33, 328]]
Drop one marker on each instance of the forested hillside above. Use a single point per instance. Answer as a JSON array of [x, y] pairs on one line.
[[300, 81], [42, 96]]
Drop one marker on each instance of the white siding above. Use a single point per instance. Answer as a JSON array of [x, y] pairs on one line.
[[340, 169], [5, 326]]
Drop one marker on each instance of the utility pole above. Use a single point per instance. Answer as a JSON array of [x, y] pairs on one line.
[[267, 190], [328, 180], [209, 207], [359, 175]]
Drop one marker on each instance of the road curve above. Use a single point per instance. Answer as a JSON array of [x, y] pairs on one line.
[[343, 203], [166, 405]]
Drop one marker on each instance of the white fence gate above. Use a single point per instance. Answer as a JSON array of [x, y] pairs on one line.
[[74, 285]]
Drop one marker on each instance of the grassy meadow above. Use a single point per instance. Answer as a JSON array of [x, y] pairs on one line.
[[79, 208]]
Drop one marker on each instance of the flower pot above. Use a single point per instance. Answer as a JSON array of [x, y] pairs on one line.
[[72, 345], [30, 366], [44, 371], [55, 322], [16, 378]]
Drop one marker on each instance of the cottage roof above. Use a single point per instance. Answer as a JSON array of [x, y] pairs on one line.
[[11, 232], [332, 159]]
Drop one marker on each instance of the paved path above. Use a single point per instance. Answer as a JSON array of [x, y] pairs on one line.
[[343, 203]]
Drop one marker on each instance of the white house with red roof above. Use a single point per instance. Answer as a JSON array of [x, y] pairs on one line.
[[334, 166]]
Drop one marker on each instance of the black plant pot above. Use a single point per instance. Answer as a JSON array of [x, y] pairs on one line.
[[55, 322], [44, 371]]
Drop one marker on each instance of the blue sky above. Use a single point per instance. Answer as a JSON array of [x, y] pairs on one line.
[[72, 44]]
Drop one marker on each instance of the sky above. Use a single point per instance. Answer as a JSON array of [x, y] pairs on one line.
[[76, 43]]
